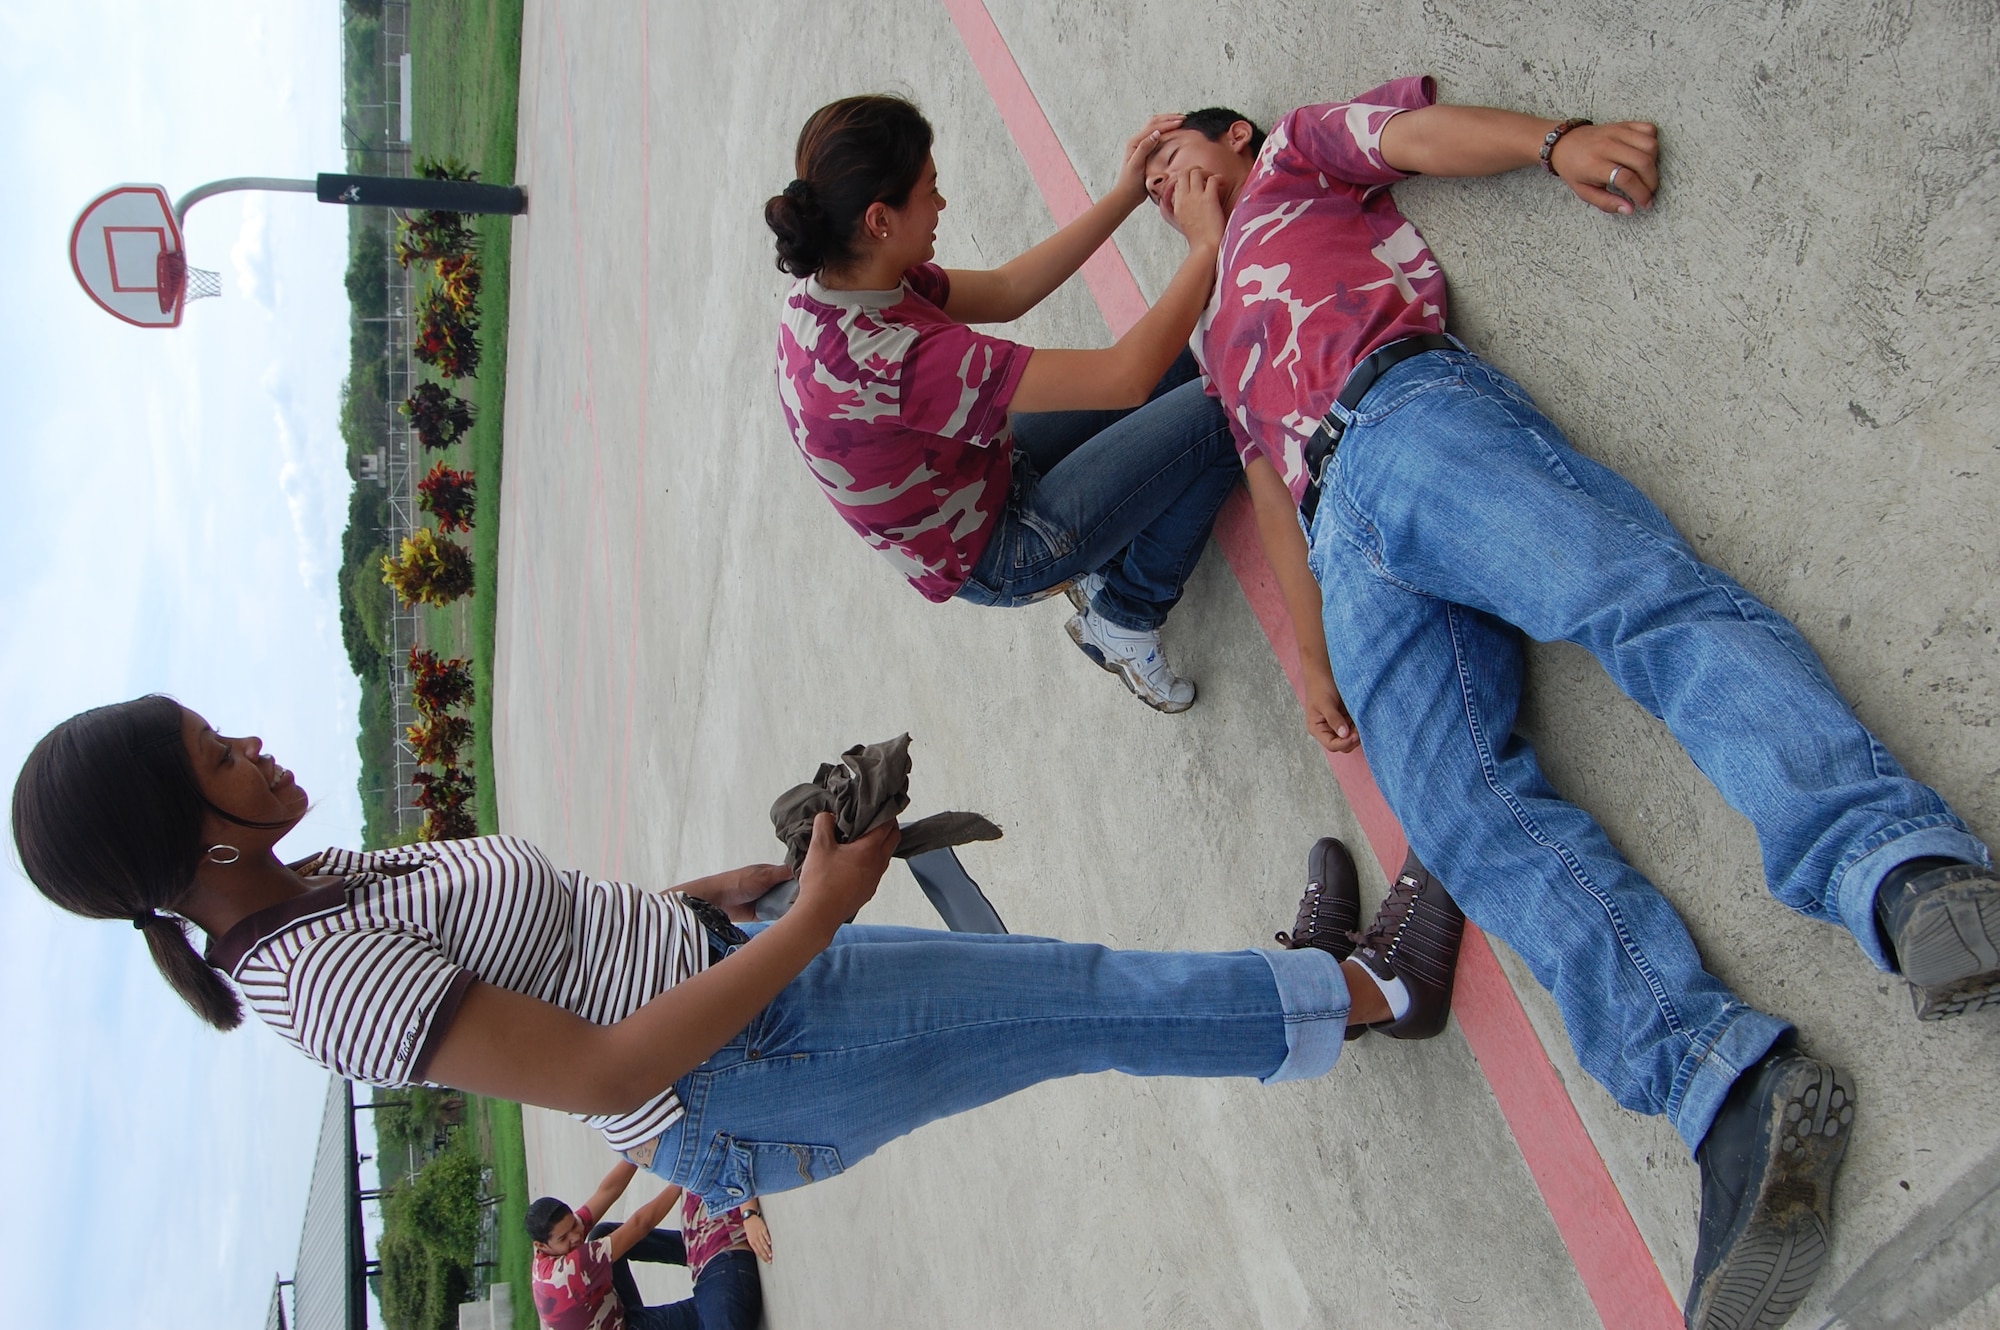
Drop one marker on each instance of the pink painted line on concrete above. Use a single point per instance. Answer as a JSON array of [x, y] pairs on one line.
[[623, 796], [1613, 1261], [596, 544], [1105, 273]]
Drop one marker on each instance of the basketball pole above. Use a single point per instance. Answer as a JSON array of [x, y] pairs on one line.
[[373, 191]]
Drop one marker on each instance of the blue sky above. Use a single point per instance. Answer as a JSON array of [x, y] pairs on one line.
[[174, 507]]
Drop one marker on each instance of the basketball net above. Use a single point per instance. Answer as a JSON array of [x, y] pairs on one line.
[[177, 281]]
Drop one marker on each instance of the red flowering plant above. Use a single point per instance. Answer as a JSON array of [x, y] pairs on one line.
[[458, 280], [447, 495], [430, 569], [441, 417], [436, 684], [431, 236], [444, 168], [443, 795], [447, 337], [448, 824], [437, 741]]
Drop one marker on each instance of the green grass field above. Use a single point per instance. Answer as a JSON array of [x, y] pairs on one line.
[[497, 1124], [465, 58]]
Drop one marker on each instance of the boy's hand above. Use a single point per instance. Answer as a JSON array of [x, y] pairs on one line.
[[746, 884], [1198, 207], [1132, 169], [1586, 157], [758, 1234], [1326, 715], [836, 880]]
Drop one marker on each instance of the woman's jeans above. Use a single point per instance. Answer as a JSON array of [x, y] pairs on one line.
[[890, 1028], [1456, 518], [1132, 494]]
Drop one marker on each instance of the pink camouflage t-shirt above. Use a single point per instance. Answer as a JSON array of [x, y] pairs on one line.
[[708, 1235], [1318, 268], [901, 412], [574, 1291]]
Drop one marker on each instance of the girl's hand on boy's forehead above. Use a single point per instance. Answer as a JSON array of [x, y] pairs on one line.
[[1139, 149]]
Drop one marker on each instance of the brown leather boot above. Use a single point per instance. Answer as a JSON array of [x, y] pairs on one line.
[[1330, 910], [1415, 939]]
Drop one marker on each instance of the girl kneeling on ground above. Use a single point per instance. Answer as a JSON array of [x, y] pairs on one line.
[[984, 469]]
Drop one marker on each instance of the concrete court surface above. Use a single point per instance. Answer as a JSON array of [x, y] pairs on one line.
[[1794, 354]]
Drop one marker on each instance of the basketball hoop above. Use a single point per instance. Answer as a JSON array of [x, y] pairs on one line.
[[126, 246], [179, 283]]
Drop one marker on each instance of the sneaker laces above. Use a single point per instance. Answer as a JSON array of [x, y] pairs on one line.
[[1309, 924], [1154, 669], [1139, 648], [1382, 935]]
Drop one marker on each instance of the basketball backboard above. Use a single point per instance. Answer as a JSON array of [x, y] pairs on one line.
[[126, 251]]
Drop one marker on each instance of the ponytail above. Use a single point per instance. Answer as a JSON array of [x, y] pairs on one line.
[[802, 228], [852, 153], [107, 821], [199, 983]]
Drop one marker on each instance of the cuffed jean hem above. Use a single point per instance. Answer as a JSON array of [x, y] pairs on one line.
[[1740, 1037], [1922, 838], [1312, 993]]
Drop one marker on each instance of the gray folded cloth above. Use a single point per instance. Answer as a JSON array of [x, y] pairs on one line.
[[871, 784]]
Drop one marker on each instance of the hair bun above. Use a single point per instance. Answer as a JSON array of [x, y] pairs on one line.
[[799, 191]]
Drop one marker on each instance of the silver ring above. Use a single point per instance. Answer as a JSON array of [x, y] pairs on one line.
[[1612, 182]]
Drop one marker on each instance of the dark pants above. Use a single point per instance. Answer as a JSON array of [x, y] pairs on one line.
[[728, 1295], [662, 1246]]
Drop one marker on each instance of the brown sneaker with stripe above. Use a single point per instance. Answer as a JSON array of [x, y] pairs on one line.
[[1415, 939], [1330, 910]]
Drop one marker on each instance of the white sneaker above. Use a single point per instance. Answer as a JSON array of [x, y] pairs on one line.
[[1083, 590], [1134, 656]]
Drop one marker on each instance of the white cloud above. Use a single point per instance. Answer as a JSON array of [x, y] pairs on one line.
[[178, 503], [251, 255]]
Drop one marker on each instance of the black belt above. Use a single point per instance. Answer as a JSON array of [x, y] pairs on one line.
[[1326, 439], [722, 934]]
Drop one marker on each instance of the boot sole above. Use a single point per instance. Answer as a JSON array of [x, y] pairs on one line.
[[1780, 1240], [1095, 655], [1949, 948]]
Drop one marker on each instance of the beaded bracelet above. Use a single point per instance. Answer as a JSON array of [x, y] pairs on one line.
[[1549, 140]]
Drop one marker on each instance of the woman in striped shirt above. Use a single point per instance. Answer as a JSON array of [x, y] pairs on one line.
[[733, 1067]]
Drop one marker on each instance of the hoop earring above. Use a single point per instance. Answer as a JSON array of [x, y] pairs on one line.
[[234, 854]]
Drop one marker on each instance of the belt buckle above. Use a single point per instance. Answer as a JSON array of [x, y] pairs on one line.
[[1332, 429]]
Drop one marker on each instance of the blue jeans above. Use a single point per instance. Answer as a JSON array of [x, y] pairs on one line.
[[1132, 494], [890, 1028], [1455, 519]]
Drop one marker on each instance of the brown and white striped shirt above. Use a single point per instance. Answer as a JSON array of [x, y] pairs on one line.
[[365, 975]]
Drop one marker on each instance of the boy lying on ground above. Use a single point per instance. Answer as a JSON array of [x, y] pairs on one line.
[[1422, 518]]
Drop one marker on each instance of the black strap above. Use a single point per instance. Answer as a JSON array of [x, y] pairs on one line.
[[1326, 439], [717, 924]]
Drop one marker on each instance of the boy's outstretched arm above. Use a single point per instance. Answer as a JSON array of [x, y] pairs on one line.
[[643, 1221], [608, 1191], [1285, 547], [1479, 140]]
